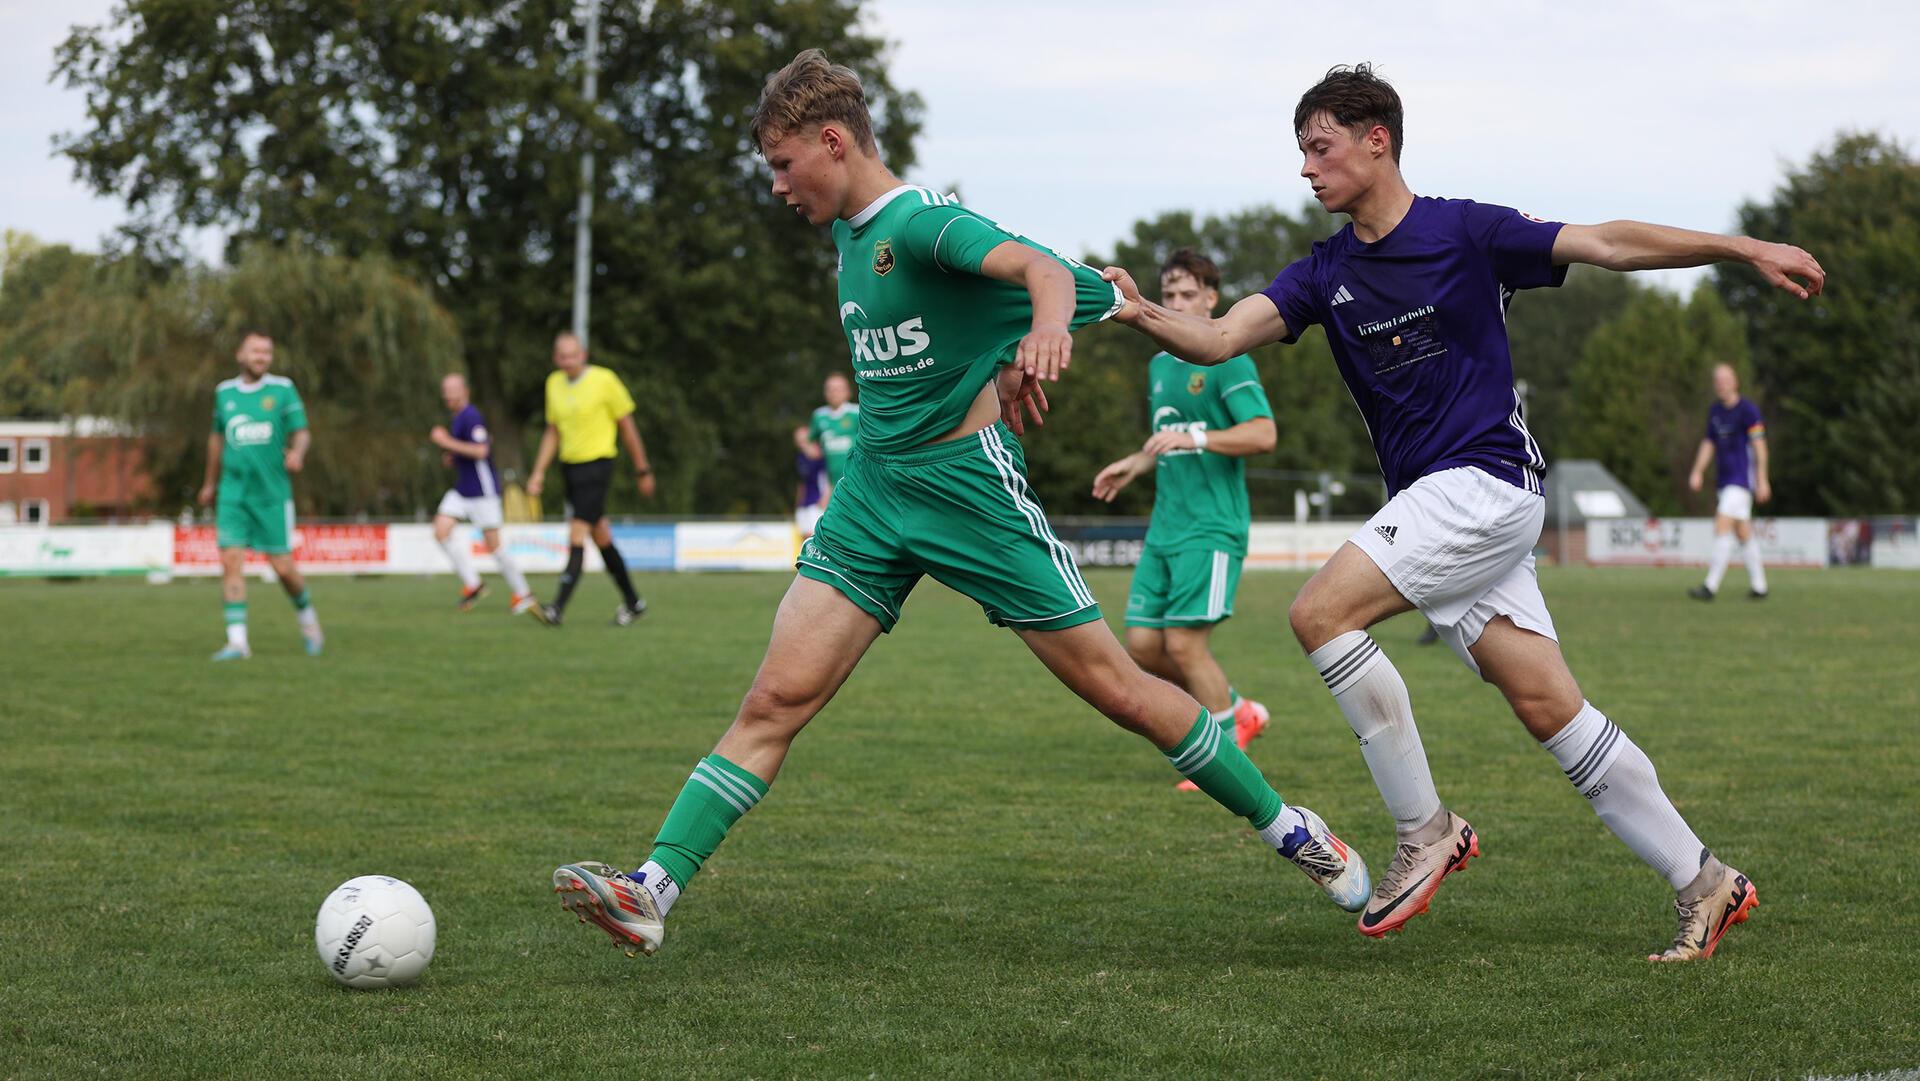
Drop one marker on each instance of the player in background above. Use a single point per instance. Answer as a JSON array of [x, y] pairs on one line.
[[952, 323], [474, 498], [259, 438], [586, 405], [835, 427], [810, 492], [1412, 293], [1738, 437], [1206, 423]]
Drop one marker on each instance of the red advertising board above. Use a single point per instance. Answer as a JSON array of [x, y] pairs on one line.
[[358, 545]]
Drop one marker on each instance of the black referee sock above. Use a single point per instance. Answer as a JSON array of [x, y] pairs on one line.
[[576, 558], [617, 567]]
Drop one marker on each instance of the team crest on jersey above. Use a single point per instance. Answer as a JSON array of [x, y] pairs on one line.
[[1197, 382], [267, 402], [883, 257]]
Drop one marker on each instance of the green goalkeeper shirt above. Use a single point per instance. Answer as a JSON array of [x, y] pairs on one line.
[[255, 420], [1200, 498], [925, 329]]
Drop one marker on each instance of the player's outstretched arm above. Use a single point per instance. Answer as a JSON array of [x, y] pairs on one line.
[[1636, 245], [1244, 440], [1109, 482], [1048, 347], [1251, 323]]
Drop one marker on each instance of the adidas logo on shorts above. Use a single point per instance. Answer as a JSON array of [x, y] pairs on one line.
[[1387, 532]]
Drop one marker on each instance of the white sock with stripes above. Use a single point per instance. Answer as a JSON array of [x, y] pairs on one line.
[[1369, 690], [1618, 779]]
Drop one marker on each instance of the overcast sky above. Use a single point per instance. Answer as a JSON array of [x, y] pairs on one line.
[[1070, 120]]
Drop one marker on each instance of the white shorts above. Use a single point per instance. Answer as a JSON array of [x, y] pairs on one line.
[[807, 519], [1736, 503], [481, 510], [1458, 544]]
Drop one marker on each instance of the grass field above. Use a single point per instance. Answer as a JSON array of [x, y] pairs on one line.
[[962, 871]]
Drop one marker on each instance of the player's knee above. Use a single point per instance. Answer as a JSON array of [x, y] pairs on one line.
[[779, 703], [1310, 621], [1144, 654], [1186, 650]]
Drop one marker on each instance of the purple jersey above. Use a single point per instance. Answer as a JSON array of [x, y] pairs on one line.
[[1418, 325], [473, 476], [1733, 431], [813, 479]]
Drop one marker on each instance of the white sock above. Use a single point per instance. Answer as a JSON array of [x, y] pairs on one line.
[[1756, 570], [1722, 552], [1283, 823], [1223, 718], [309, 620], [511, 572], [664, 889], [1371, 693], [456, 548], [237, 635], [1617, 778]]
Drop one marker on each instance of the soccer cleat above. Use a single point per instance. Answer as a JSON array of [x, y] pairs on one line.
[[233, 653], [1415, 876], [528, 604], [550, 615], [314, 643], [1186, 786], [1700, 593], [1756, 594], [627, 614], [1327, 860], [471, 597], [1249, 720], [615, 901], [1709, 907]]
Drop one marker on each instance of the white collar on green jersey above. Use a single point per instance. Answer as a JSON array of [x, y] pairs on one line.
[[877, 206]]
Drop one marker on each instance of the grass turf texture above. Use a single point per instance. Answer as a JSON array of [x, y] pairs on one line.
[[961, 872]]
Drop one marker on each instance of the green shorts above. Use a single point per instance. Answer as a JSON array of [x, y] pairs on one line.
[[264, 525], [1193, 587], [960, 511]]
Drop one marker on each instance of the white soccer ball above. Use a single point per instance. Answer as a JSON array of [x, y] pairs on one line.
[[375, 931]]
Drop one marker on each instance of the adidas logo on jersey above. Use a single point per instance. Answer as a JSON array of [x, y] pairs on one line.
[[1387, 532], [1341, 296]]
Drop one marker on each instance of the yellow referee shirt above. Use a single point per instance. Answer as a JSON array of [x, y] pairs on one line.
[[584, 411]]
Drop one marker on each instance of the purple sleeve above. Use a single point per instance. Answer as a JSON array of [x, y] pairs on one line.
[[1752, 421], [1520, 247], [1293, 294]]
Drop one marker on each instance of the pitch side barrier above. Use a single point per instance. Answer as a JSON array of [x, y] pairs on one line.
[[161, 551]]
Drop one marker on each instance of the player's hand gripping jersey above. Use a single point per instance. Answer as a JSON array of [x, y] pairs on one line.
[[924, 328]]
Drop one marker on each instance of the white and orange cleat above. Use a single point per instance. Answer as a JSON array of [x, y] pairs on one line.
[[1718, 898], [1415, 875], [615, 902], [1249, 720], [527, 603]]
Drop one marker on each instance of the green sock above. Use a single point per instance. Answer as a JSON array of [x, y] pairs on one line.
[[304, 601], [1224, 771], [715, 797], [236, 612]]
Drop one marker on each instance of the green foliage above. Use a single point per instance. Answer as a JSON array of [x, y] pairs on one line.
[[1843, 369], [1547, 329], [445, 136], [1638, 396], [121, 337]]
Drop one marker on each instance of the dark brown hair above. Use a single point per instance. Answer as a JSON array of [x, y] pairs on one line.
[[1188, 261], [250, 332], [1356, 99], [812, 90]]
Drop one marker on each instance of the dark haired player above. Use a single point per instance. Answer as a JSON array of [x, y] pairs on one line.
[[1413, 293]]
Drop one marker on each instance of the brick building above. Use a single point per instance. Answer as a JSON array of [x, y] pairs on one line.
[[51, 469]]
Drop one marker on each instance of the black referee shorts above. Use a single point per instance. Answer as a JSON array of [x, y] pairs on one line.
[[587, 488]]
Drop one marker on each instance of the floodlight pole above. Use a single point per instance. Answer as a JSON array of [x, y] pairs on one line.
[[583, 228]]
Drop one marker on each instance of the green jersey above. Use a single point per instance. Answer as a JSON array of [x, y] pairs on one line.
[[835, 429], [256, 420], [926, 330], [1200, 498]]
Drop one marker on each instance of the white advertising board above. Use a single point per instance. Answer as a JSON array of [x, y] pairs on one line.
[[60, 551], [1688, 542]]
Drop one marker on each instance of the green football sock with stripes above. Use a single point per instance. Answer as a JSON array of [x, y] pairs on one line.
[[1222, 770], [716, 795]]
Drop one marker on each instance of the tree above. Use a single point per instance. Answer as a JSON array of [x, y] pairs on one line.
[[1548, 329], [444, 135], [1637, 400], [364, 344], [1843, 369]]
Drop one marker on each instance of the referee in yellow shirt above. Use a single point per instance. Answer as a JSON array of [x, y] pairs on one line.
[[585, 405]]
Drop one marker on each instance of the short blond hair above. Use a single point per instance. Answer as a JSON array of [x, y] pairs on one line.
[[812, 90]]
